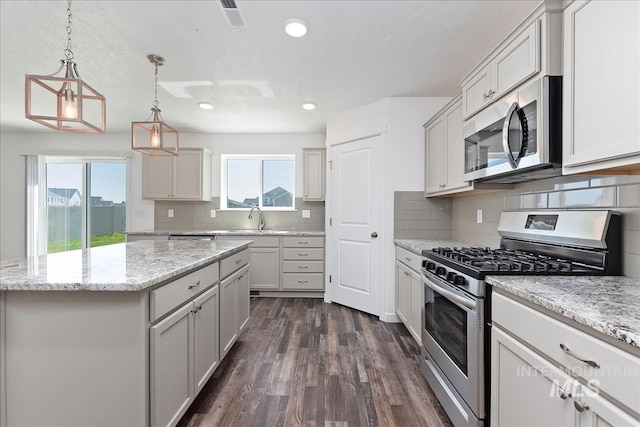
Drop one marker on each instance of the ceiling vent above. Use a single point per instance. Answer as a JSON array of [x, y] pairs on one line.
[[232, 14]]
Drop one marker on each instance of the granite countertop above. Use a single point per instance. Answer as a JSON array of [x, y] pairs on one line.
[[608, 304], [417, 246], [228, 233], [131, 266]]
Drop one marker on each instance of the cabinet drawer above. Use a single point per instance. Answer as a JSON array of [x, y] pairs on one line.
[[302, 266], [303, 242], [170, 296], [234, 262], [413, 261], [303, 254], [303, 281], [618, 373]]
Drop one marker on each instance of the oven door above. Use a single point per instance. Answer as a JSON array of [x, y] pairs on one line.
[[452, 334]]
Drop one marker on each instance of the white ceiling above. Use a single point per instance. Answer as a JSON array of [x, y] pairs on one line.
[[355, 53]]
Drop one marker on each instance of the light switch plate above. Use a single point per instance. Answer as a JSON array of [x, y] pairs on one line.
[[170, 213], [306, 213], [479, 216]]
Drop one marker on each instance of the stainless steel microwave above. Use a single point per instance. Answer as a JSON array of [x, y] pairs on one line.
[[518, 138]]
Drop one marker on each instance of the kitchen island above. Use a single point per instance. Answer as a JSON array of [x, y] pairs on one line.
[[125, 334]]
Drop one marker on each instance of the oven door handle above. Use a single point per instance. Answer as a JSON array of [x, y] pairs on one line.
[[452, 296]]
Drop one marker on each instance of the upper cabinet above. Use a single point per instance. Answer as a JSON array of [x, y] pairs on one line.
[[444, 151], [314, 174], [601, 87], [534, 48], [186, 176]]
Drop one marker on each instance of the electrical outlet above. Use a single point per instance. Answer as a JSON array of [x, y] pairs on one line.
[[170, 213], [212, 213], [479, 216], [306, 213]]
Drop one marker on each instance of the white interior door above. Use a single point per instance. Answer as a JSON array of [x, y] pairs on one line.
[[356, 210]]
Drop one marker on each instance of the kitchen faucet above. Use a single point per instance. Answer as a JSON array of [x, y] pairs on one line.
[[261, 223]]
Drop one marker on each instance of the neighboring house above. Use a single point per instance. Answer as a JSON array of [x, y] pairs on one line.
[[247, 203], [278, 197], [98, 201], [63, 197]]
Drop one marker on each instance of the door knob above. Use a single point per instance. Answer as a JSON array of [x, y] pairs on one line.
[[374, 234]]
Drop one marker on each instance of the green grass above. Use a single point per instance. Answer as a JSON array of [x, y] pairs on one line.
[[69, 245]]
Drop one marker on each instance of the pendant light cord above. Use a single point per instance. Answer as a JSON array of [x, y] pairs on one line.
[[155, 82], [68, 52]]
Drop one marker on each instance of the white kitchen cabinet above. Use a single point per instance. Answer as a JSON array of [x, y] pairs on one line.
[[206, 331], [445, 151], [512, 64], [234, 308], [601, 87], [527, 390], [533, 351], [313, 186], [186, 176], [265, 271], [172, 389], [303, 263], [409, 291]]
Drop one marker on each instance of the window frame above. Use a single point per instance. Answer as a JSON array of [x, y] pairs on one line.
[[260, 157]]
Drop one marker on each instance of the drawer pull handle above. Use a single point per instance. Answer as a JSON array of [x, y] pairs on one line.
[[570, 353], [303, 267], [563, 394], [303, 281], [239, 261], [303, 254], [195, 285], [408, 259], [303, 243], [580, 407]]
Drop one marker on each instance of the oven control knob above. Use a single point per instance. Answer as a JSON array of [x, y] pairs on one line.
[[431, 266], [451, 276], [459, 280], [441, 271]]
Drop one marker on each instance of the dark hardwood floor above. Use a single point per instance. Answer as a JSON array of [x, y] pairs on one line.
[[304, 362]]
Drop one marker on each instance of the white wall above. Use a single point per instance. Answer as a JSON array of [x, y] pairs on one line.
[[140, 213], [400, 121]]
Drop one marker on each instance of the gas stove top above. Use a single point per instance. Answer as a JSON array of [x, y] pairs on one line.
[[537, 243], [507, 261]]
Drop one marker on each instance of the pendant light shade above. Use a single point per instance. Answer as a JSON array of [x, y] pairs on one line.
[[154, 137], [62, 100]]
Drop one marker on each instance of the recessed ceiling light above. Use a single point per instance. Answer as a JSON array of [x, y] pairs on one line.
[[295, 27], [205, 105], [309, 106]]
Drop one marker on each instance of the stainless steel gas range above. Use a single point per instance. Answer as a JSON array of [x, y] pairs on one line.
[[456, 314]]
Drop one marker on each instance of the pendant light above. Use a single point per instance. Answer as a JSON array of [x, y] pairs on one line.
[[65, 102], [154, 137]]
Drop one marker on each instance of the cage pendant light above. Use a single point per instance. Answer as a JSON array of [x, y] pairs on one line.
[[154, 137], [62, 101]]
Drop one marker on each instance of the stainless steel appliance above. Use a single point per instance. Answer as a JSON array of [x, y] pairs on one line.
[[456, 314], [518, 138]]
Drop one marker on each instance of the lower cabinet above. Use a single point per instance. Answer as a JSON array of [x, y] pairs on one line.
[[409, 291], [234, 308], [546, 372], [184, 354]]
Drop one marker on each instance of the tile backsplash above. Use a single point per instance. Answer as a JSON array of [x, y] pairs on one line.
[[196, 216], [620, 193], [417, 217]]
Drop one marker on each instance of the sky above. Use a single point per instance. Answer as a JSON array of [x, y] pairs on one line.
[[243, 177], [107, 179]]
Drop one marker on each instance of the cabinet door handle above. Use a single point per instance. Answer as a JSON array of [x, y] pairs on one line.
[[194, 285], [491, 92], [408, 259], [563, 394], [303, 267], [485, 96], [239, 261], [592, 363], [580, 407]]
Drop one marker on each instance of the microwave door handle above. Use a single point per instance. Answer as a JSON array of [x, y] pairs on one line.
[[455, 298], [506, 143]]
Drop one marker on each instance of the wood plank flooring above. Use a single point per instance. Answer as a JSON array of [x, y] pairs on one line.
[[304, 362]]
